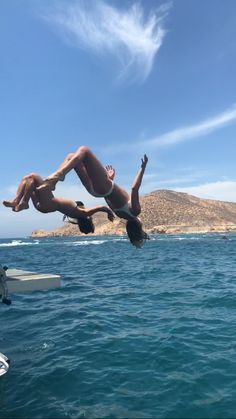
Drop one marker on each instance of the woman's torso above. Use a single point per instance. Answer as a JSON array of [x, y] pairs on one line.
[[119, 202]]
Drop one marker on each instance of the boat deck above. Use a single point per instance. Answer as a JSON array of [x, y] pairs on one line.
[[27, 281]]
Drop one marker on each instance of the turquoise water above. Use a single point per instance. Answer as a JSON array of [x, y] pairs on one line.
[[131, 333]]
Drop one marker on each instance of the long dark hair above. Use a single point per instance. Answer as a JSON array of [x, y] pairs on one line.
[[136, 233], [85, 224]]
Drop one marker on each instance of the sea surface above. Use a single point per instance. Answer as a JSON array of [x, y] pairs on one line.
[[131, 333]]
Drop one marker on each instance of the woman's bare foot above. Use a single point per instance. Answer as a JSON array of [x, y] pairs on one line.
[[51, 181], [10, 204], [22, 206]]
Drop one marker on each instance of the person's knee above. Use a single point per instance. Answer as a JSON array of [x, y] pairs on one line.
[[84, 150], [31, 176], [26, 178]]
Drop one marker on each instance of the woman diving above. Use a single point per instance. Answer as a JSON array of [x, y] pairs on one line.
[[98, 181], [44, 201]]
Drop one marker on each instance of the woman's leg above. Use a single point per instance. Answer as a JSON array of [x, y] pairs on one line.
[[19, 194], [43, 201], [89, 169], [28, 190], [50, 181], [66, 161]]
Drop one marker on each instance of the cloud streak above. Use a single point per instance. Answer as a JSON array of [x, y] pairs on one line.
[[103, 29], [220, 190], [176, 136], [194, 131]]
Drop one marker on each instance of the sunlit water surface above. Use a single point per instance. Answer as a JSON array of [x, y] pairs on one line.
[[131, 333]]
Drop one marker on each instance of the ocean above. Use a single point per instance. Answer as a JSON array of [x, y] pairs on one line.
[[131, 333]]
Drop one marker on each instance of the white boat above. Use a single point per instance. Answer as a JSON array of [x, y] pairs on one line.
[[4, 364], [19, 281]]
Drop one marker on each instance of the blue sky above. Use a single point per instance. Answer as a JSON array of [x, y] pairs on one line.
[[124, 78]]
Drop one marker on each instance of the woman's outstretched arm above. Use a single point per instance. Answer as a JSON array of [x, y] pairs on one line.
[[70, 209], [135, 204], [100, 208]]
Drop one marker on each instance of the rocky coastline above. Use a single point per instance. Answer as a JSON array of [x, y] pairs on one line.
[[163, 212]]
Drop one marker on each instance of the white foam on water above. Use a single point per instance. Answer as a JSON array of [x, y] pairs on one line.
[[186, 238], [88, 242], [171, 238], [14, 243], [96, 241]]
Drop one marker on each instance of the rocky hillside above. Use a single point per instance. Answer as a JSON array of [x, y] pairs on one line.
[[166, 211]]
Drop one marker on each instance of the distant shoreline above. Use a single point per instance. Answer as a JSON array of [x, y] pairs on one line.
[[162, 230], [164, 211]]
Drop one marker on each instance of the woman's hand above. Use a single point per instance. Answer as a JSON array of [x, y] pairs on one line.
[[110, 214], [144, 162], [110, 171]]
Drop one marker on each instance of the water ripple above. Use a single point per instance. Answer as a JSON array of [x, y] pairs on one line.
[[131, 334]]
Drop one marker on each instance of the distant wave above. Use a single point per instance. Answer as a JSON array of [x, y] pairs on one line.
[[187, 238], [95, 242], [18, 243], [87, 242]]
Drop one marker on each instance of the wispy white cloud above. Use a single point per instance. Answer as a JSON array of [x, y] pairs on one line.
[[158, 180], [220, 190], [176, 136], [200, 129], [127, 34]]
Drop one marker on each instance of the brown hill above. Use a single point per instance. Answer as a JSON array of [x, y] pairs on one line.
[[166, 211]]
